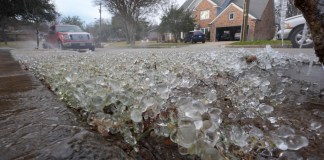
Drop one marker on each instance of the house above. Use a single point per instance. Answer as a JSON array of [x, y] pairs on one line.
[[153, 34], [223, 18], [204, 11], [261, 22]]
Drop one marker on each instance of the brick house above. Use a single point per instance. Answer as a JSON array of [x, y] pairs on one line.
[[223, 18], [204, 11], [261, 24]]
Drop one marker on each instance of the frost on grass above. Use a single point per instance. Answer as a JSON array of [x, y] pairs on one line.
[[212, 103]]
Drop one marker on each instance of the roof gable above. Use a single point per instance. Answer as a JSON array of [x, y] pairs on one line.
[[210, 1], [231, 5], [257, 7], [192, 4]]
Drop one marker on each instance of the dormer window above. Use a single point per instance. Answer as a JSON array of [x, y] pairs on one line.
[[231, 16], [204, 15]]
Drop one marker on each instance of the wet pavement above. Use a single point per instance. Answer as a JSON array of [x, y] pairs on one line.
[[36, 125]]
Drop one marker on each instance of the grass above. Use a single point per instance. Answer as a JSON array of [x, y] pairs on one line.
[[9, 44], [263, 42], [150, 44], [29, 44]]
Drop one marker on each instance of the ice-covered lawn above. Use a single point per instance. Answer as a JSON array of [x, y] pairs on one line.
[[212, 102]]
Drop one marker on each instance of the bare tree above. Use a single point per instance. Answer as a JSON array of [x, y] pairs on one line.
[[37, 12], [313, 11], [75, 20], [130, 11]]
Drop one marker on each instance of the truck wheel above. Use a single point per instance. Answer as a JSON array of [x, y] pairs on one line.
[[297, 35], [60, 45]]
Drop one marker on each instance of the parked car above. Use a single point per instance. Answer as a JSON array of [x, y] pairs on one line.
[[68, 37], [225, 36], [195, 36], [294, 27]]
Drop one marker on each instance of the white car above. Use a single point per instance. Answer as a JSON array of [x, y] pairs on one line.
[[294, 27], [237, 36]]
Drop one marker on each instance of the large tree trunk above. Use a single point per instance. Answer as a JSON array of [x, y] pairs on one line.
[[37, 27], [130, 27], [175, 36], [130, 32], [3, 33], [132, 35], [313, 11], [37, 37]]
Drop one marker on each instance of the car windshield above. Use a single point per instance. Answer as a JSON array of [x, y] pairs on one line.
[[198, 33], [68, 29]]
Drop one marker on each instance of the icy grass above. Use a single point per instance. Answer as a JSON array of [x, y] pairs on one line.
[[179, 93]]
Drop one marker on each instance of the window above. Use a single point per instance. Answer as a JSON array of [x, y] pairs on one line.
[[204, 15], [68, 29], [231, 16], [205, 30]]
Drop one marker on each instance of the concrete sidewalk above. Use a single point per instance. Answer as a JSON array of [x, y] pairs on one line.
[[35, 125]]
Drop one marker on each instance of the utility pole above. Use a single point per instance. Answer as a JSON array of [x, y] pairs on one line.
[[244, 28], [100, 25]]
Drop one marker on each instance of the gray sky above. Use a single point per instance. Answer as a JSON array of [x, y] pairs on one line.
[[86, 9]]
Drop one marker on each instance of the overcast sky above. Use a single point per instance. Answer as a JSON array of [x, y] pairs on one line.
[[86, 9]]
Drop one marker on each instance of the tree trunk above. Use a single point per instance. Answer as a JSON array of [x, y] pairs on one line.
[[313, 11], [175, 37], [130, 27], [37, 37], [132, 35], [4, 34]]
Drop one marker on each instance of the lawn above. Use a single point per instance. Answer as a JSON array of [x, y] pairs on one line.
[[20, 44], [150, 44], [10, 44], [263, 42]]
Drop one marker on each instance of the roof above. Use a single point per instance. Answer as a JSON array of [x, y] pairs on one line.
[[234, 5], [222, 5], [190, 4], [256, 7], [218, 2], [186, 4]]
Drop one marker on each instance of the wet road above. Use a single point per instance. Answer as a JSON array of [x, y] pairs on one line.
[[35, 125]]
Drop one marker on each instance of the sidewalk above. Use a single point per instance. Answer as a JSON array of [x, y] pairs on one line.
[[35, 125]]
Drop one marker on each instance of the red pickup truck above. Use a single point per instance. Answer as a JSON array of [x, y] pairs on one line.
[[68, 37]]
